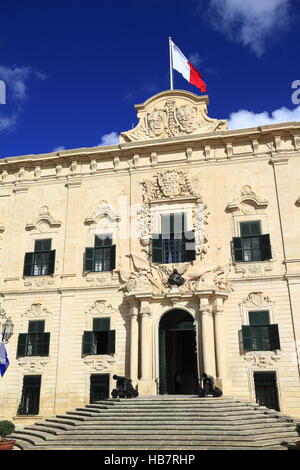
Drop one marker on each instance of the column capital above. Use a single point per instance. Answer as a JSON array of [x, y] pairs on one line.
[[206, 310]]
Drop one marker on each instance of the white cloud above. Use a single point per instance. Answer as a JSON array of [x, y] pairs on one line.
[[57, 149], [251, 22], [16, 81], [109, 139], [195, 59], [7, 122], [244, 118]]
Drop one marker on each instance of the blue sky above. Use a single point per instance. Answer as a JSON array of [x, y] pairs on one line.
[[73, 70]]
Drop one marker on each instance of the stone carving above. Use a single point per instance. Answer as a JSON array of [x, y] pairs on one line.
[[146, 277], [298, 202], [43, 221], [101, 307], [247, 202], [101, 279], [175, 279], [253, 270], [200, 218], [262, 360], [172, 114], [32, 365], [2, 228], [104, 209], [256, 299], [40, 283], [104, 363], [168, 184], [36, 310]]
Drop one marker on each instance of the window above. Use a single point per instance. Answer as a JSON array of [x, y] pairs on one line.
[[101, 340], [101, 257], [30, 399], [251, 245], [35, 342], [260, 335], [41, 261], [175, 244]]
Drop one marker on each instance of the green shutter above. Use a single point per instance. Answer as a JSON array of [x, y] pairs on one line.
[[237, 249], [28, 263], [247, 337], [88, 343], [266, 251], [45, 344], [51, 268], [274, 337], [113, 257], [157, 248], [22, 342], [89, 261], [111, 341]]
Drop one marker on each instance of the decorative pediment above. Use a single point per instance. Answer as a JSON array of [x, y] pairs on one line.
[[103, 210], [169, 184], [247, 201], [43, 221], [170, 114]]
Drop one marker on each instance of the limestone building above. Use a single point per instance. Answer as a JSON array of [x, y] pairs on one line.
[[169, 255]]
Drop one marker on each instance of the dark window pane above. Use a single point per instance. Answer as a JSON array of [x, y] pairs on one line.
[[36, 326], [42, 245], [100, 324], [103, 240]]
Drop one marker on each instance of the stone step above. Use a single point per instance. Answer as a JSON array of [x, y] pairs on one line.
[[167, 409], [180, 426], [167, 443]]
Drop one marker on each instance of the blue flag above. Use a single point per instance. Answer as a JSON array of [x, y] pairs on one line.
[[4, 362]]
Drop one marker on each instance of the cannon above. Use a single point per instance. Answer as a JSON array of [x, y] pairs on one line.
[[207, 387], [124, 388]]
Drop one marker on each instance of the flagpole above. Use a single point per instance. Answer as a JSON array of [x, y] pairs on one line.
[[171, 63]]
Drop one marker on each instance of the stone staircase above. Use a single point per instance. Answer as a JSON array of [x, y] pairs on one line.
[[163, 423]]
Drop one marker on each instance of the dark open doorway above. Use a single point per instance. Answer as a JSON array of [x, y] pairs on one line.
[[266, 389], [177, 354]]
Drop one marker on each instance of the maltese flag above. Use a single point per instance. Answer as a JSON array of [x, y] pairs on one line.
[[187, 70]]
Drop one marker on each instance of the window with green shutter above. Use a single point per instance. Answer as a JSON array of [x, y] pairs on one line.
[[101, 257], [259, 335], [41, 262], [251, 245], [34, 343], [101, 340]]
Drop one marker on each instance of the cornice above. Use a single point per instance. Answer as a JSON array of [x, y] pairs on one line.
[[70, 166]]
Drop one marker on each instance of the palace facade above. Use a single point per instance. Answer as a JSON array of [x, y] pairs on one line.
[[172, 254]]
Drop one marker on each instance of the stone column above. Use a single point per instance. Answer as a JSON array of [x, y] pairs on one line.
[[134, 340], [146, 384], [208, 340], [221, 348]]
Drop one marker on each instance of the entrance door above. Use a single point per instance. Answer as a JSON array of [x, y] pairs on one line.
[[266, 389], [177, 354], [99, 387]]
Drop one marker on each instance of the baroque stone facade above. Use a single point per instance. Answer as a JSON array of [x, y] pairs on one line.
[[176, 161]]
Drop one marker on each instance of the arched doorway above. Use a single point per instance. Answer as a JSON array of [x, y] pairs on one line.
[[177, 353]]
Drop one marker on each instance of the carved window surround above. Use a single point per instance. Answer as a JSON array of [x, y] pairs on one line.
[[171, 191], [37, 311], [256, 301], [250, 207], [104, 220], [101, 308]]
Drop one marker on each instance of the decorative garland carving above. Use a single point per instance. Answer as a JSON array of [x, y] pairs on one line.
[[147, 277], [37, 310], [256, 299], [104, 363], [101, 307], [262, 360]]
